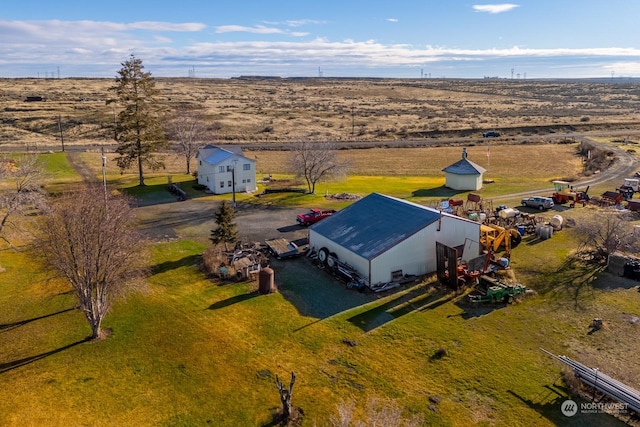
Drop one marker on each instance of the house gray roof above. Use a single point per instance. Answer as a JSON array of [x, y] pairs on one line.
[[375, 224], [214, 155]]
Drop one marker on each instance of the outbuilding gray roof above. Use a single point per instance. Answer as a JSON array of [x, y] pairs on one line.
[[464, 167], [375, 224]]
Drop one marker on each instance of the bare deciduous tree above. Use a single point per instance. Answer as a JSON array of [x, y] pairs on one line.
[[285, 396], [188, 129], [89, 238], [316, 161], [21, 190], [606, 232]]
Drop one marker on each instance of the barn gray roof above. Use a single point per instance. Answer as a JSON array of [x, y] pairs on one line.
[[375, 224]]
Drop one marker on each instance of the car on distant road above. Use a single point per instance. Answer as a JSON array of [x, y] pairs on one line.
[[490, 134], [537, 202]]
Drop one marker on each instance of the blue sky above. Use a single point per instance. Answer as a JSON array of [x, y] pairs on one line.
[[301, 38]]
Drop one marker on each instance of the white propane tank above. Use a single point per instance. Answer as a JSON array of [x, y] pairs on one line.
[[483, 216], [508, 213], [556, 222]]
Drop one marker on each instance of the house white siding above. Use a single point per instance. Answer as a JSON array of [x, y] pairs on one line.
[[219, 169]]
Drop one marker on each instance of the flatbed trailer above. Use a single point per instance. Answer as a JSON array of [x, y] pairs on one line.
[[282, 248]]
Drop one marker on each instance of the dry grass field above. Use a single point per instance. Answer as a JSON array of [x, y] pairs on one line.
[[279, 110], [193, 351]]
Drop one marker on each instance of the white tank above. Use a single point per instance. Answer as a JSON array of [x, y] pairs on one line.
[[508, 213], [556, 222]]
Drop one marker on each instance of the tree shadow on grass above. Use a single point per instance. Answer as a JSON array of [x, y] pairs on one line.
[[233, 300], [573, 279], [8, 366], [157, 194], [441, 191], [13, 325], [172, 265]]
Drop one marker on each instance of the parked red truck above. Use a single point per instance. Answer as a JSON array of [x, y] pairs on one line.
[[314, 215]]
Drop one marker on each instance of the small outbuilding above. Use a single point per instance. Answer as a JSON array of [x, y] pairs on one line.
[[464, 175], [224, 170], [383, 237]]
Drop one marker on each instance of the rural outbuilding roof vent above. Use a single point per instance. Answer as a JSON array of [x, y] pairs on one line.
[[464, 152]]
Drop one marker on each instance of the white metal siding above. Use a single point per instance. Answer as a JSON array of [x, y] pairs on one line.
[[463, 182], [360, 264], [408, 256]]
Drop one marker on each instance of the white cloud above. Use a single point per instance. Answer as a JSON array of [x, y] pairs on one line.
[[165, 26], [258, 29], [392, 19], [495, 8], [102, 46], [295, 22]]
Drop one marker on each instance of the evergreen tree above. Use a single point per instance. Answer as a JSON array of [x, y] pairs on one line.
[[226, 231], [140, 133]]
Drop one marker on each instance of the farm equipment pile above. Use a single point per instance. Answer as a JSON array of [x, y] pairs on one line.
[[622, 194], [565, 193], [492, 290]]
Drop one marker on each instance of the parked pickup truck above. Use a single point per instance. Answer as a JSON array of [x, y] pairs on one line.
[[314, 215]]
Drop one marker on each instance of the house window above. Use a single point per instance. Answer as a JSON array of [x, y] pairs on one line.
[[229, 184], [220, 169], [248, 179], [244, 181], [229, 168], [207, 179], [200, 162], [221, 184], [246, 166]]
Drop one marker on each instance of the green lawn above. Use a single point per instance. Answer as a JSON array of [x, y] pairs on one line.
[[187, 351]]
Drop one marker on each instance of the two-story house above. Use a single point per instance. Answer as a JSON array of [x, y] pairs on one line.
[[225, 170]]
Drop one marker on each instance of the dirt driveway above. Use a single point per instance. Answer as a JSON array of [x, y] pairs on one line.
[[194, 219]]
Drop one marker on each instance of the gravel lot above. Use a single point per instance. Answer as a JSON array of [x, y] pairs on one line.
[[195, 218]]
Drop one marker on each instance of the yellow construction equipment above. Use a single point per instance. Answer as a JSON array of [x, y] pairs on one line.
[[493, 237]]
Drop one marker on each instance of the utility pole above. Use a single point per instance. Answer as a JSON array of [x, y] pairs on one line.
[[233, 184], [353, 120], [104, 177], [60, 130]]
